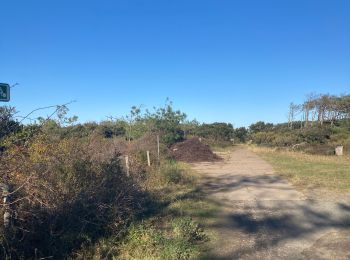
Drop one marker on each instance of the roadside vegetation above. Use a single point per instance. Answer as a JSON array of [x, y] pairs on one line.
[[85, 190], [303, 149], [317, 126], [310, 172], [68, 192]]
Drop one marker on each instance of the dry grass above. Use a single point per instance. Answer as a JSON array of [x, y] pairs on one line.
[[307, 171]]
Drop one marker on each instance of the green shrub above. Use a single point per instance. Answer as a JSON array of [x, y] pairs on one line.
[[189, 230], [266, 138], [172, 172], [8, 124], [216, 131], [315, 135], [241, 134], [260, 127]]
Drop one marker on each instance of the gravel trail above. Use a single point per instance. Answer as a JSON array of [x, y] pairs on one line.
[[264, 217]]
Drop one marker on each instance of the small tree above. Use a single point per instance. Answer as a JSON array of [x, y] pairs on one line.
[[168, 122], [241, 133]]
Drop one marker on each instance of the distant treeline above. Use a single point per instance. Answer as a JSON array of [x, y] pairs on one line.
[[316, 126], [321, 119], [320, 108], [171, 125]]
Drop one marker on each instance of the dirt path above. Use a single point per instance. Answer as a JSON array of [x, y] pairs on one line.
[[264, 217]]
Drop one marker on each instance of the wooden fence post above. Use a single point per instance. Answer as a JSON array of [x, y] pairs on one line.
[[127, 166], [5, 195], [158, 149], [148, 159]]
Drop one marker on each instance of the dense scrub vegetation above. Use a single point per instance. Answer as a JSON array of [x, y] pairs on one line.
[[63, 197], [324, 124], [68, 195]]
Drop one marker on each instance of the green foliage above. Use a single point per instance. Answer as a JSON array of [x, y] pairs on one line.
[[325, 123], [265, 138], [145, 242], [172, 172], [316, 135], [216, 131], [190, 127], [287, 137], [8, 124], [315, 140], [311, 171], [134, 123], [79, 130], [241, 134], [170, 234], [78, 189], [260, 127], [21, 137], [189, 230], [340, 136], [110, 129], [168, 122], [62, 117]]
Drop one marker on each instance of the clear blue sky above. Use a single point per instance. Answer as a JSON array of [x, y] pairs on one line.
[[233, 61]]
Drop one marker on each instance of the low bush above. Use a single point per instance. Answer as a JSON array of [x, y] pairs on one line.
[[314, 140], [265, 138], [315, 135], [188, 230]]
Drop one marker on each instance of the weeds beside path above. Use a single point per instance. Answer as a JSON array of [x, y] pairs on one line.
[[170, 230]]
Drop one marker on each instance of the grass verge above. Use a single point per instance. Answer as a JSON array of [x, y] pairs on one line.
[[307, 171]]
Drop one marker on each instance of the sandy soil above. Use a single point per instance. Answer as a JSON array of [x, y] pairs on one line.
[[265, 217]]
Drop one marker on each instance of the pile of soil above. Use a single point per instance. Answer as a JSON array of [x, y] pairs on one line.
[[193, 150]]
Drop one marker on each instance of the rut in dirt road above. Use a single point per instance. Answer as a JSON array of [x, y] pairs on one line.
[[264, 217]]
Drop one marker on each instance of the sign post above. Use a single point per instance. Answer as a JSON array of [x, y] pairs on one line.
[[4, 92]]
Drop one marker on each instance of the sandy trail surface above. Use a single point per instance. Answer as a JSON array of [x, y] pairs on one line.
[[263, 216]]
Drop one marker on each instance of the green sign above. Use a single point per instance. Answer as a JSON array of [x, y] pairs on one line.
[[4, 92]]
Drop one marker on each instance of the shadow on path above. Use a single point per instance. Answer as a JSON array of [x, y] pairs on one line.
[[264, 217]]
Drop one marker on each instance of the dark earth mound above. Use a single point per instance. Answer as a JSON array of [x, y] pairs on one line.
[[193, 150]]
